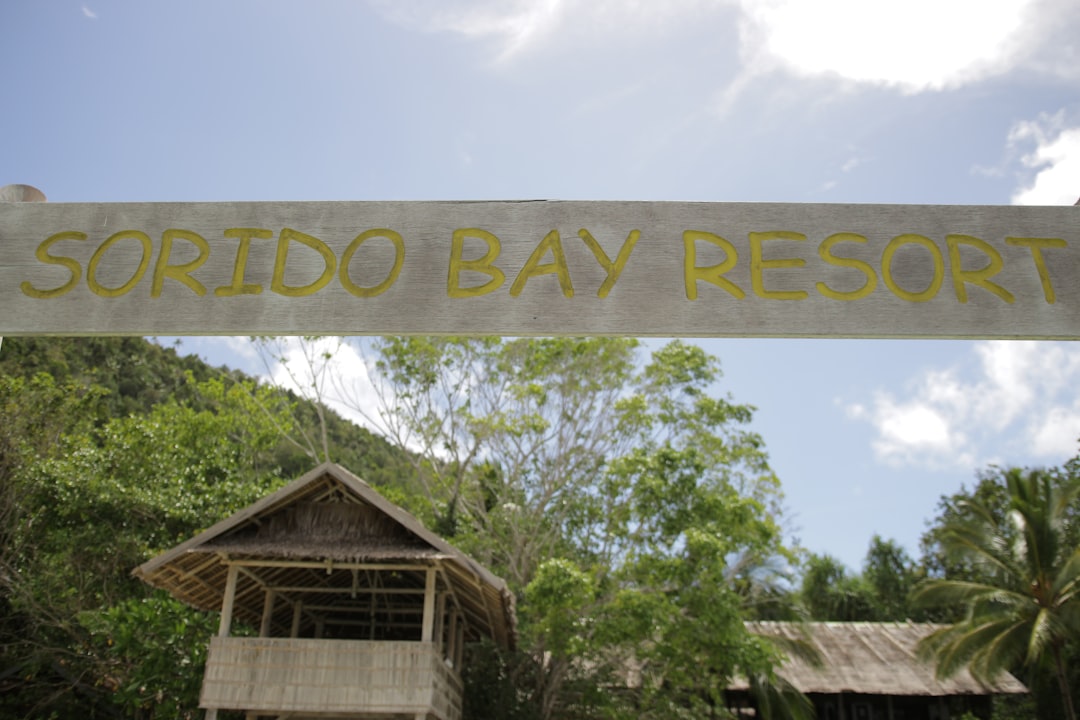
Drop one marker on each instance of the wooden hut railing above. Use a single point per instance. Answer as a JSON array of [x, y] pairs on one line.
[[290, 675]]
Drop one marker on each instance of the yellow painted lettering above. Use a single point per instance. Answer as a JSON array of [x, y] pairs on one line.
[[179, 272], [825, 252], [484, 265], [277, 281], [551, 243], [935, 254], [95, 260], [758, 264], [73, 266], [238, 286], [1036, 245], [613, 269], [346, 258], [692, 274], [981, 277]]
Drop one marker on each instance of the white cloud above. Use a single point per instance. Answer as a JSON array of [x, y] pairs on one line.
[[1020, 401], [520, 26], [241, 348], [915, 45], [87, 12], [852, 163], [337, 369], [1056, 434], [1055, 160]]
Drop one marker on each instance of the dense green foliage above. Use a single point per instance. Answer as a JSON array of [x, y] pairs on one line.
[[1019, 587], [112, 450], [97, 501], [135, 375], [1000, 567], [626, 501], [879, 593]]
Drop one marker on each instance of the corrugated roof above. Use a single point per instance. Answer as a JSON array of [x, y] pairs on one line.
[[873, 659], [359, 526]]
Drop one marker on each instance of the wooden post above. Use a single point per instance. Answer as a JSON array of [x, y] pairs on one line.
[[268, 613], [451, 648], [371, 617], [298, 608], [439, 632], [227, 603], [225, 624], [429, 607], [459, 650]]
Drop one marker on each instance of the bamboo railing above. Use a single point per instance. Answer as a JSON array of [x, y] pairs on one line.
[[288, 675]]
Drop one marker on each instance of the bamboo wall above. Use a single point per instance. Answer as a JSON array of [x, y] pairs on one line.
[[286, 675]]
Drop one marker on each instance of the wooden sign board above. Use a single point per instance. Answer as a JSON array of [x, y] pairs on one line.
[[540, 268]]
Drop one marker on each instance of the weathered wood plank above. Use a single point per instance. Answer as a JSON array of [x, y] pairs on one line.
[[540, 268]]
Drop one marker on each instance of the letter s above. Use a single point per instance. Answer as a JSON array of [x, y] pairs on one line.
[[42, 254]]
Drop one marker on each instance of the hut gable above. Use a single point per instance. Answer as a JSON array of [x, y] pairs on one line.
[[339, 527]]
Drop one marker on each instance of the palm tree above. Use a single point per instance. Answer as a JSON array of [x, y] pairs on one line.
[[1025, 607]]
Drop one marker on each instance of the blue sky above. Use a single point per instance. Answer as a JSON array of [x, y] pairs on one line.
[[938, 102]]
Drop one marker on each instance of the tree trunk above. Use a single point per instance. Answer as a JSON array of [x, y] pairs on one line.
[[1063, 683]]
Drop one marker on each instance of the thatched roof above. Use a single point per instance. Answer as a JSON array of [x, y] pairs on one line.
[[327, 516], [872, 659]]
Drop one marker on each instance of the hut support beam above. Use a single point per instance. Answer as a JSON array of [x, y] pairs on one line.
[[440, 624], [451, 637], [227, 603], [429, 607], [297, 611], [388, 567], [268, 613], [459, 650], [225, 624]]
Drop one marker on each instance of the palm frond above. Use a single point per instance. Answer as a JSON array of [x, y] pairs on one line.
[[965, 645], [778, 699], [1028, 603], [964, 592]]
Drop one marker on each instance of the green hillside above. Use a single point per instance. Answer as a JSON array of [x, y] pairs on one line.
[[112, 450], [138, 374]]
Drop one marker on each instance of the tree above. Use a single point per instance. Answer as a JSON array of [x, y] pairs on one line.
[[623, 500], [879, 593], [505, 439], [106, 498], [891, 574], [1022, 607], [828, 592]]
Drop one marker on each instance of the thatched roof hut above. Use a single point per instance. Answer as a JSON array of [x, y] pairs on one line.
[[873, 670], [323, 560], [873, 658]]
